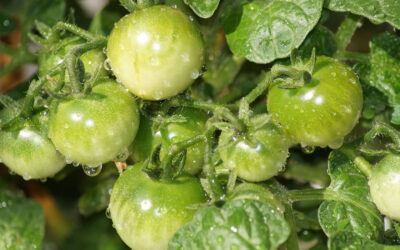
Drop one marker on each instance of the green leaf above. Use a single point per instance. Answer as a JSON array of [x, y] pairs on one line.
[[348, 206], [378, 11], [374, 100], [21, 222], [103, 21], [351, 240], [204, 8], [47, 11], [322, 39], [385, 50], [304, 221], [263, 31], [239, 224]]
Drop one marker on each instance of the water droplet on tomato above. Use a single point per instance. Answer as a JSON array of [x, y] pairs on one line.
[[107, 64], [191, 18], [307, 149], [105, 50], [123, 155], [92, 170], [11, 172], [27, 177], [108, 213], [158, 94], [75, 164], [43, 179], [195, 74]]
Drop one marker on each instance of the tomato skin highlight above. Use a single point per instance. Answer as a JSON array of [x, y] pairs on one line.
[[156, 52], [322, 112], [385, 186], [174, 132], [29, 153], [258, 159], [95, 129], [146, 213]]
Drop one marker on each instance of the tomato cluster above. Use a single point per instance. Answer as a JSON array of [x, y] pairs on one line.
[[154, 59]]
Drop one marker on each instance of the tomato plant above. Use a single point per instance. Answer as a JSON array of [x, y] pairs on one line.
[[289, 138], [322, 112], [146, 212], [156, 58], [95, 129]]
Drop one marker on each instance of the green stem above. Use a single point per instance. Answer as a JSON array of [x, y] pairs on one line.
[[361, 163], [217, 109], [348, 55], [75, 30], [128, 4], [292, 242], [308, 194], [259, 90], [33, 91], [71, 60], [346, 30], [209, 168], [174, 149]]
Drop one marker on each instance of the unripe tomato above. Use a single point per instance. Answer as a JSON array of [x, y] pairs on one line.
[[156, 52], [384, 186], [174, 132], [146, 212], [29, 153], [145, 141], [322, 112], [97, 128], [256, 155], [91, 60]]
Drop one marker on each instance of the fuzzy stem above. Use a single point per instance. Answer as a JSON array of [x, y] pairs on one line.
[[174, 149], [346, 30]]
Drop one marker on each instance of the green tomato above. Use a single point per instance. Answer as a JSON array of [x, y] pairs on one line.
[[322, 112], [194, 124], [256, 155], [95, 129], [384, 186], [145, 141], [29, 153], [156, 52], [146, 213], [91, 60]]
